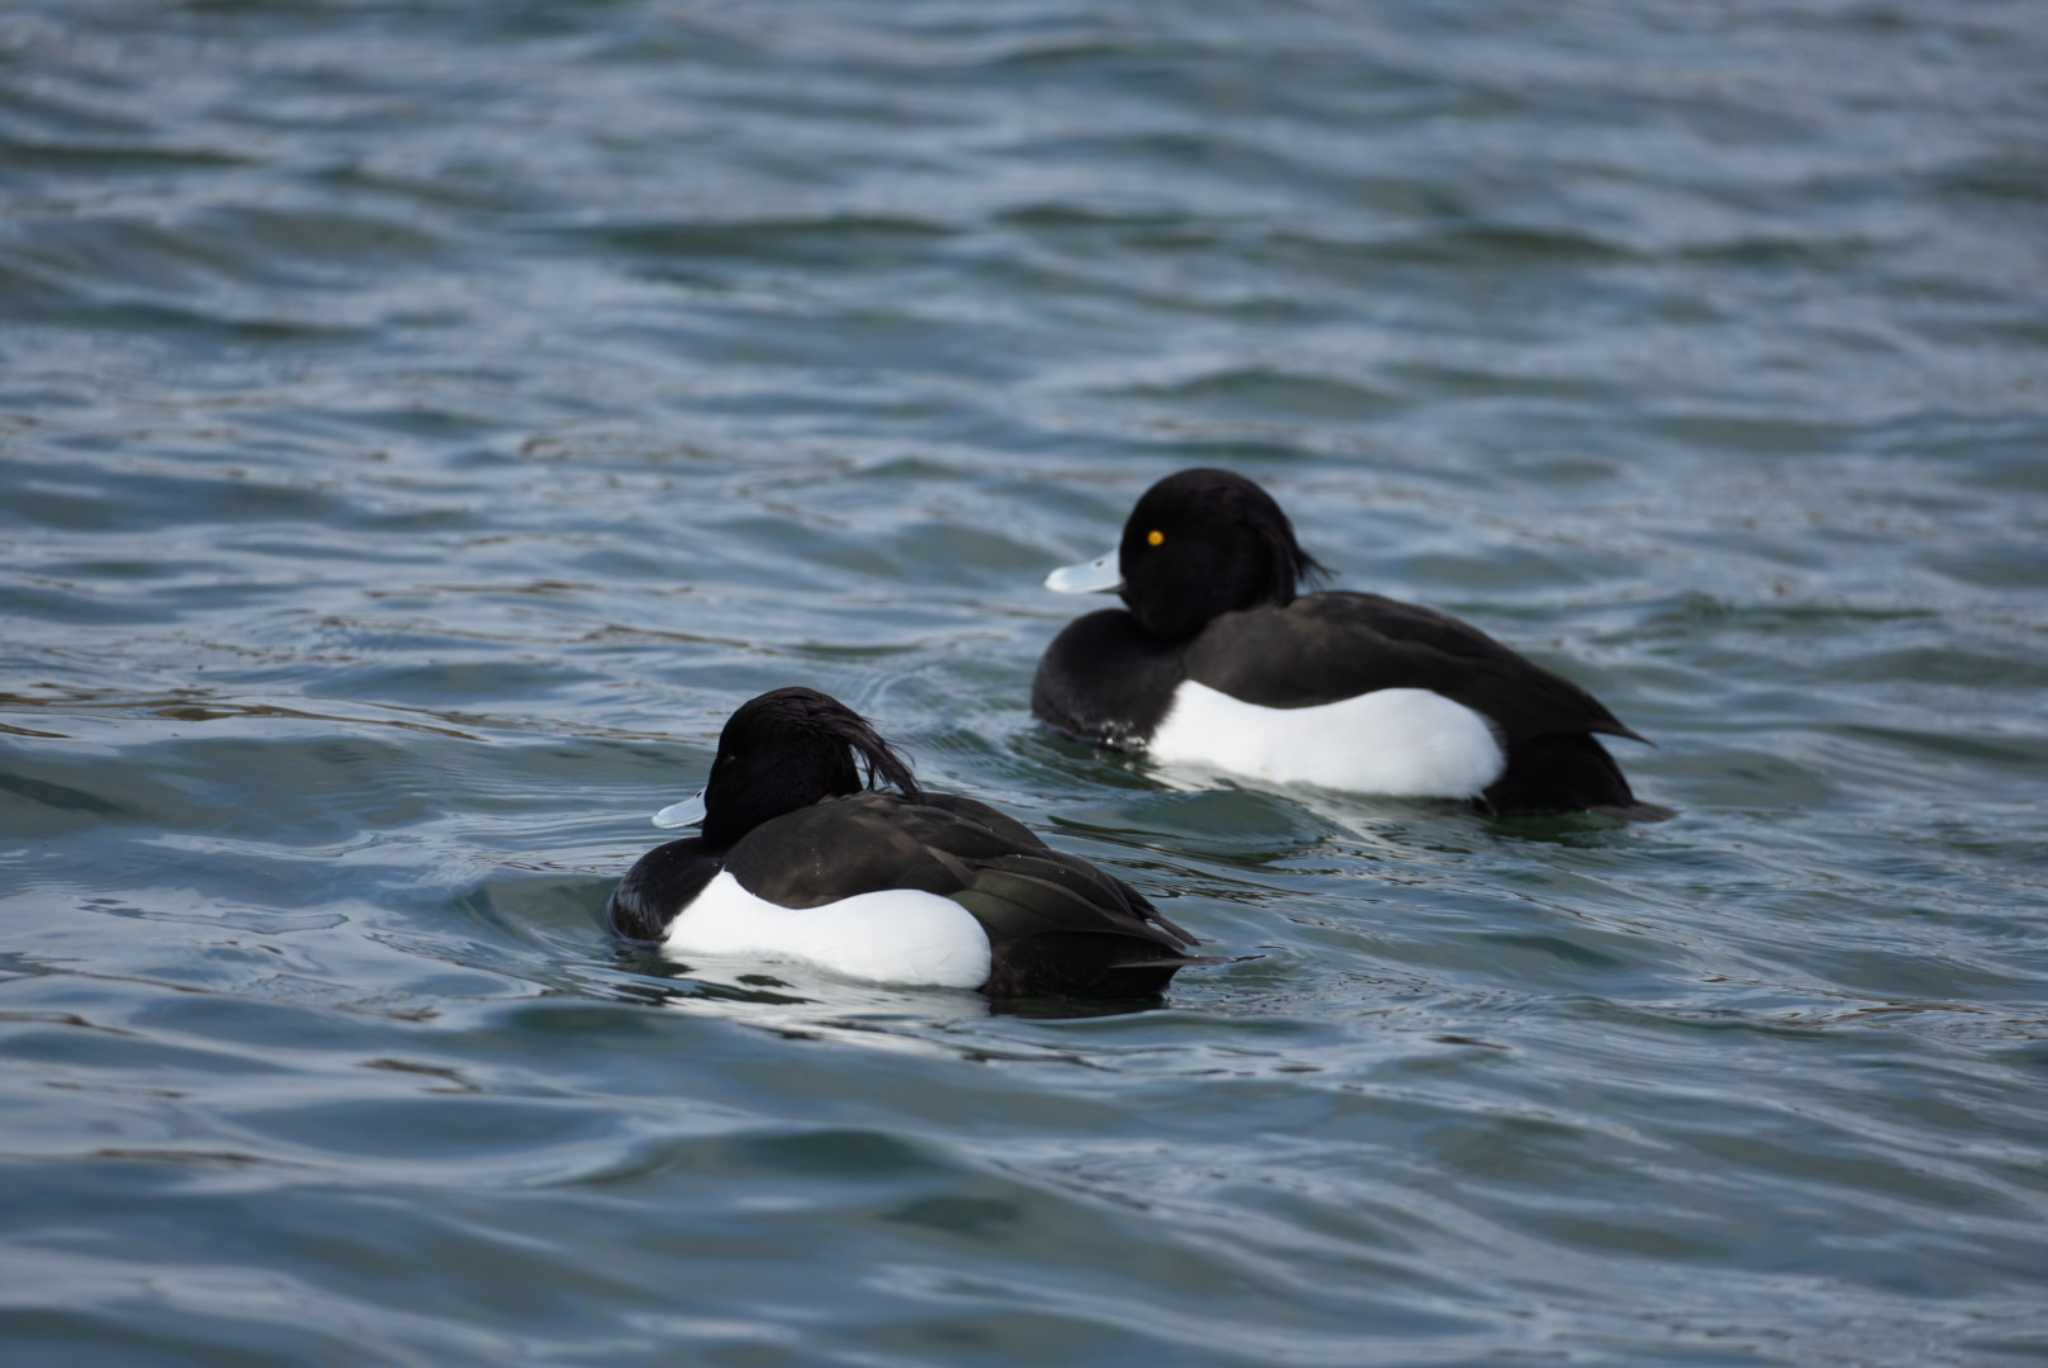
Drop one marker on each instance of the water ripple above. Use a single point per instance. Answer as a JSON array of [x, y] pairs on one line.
[[418, 428]]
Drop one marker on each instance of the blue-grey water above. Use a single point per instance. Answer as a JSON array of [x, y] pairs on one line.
[[422, 423]]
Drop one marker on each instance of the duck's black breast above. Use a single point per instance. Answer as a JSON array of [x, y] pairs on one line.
[[1055, 923], [660, 884], [1106, 679]]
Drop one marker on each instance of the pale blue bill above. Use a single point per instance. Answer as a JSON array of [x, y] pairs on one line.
[[689, 812], [1100, 576]]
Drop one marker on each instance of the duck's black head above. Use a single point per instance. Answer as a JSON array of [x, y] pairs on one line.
[[1205, 542], [785, 750]]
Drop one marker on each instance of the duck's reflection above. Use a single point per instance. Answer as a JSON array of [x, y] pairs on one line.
[[802, 1002]]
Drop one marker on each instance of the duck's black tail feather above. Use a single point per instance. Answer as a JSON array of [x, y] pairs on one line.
[[1075, 964], [1560, 773]]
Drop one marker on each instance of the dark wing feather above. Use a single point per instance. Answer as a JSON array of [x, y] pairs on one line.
[[862, 843], [1336, 645]]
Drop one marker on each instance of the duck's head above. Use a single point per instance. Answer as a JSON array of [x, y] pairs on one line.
[[1200, 543], [782, 751]]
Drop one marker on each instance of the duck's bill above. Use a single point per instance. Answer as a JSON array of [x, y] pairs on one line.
[[1099, 576], [689, 812]]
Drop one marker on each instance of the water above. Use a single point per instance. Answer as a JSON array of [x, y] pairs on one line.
[[423, 423]]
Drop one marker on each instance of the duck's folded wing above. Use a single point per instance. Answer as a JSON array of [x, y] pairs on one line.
[[951, 846], [1062, 926], [1337, 645], [1024, 895], [868, 842], [1057, 924]]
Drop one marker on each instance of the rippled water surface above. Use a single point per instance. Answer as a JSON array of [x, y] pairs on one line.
[[420, 425]]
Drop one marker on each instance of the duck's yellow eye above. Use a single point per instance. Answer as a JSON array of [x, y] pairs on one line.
[[1154, 537]]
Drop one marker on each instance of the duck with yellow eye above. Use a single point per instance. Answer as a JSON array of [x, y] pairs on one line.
[[1216, 659]]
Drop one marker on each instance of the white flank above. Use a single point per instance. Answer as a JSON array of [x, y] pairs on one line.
[[1410, 743], [896, 936]]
